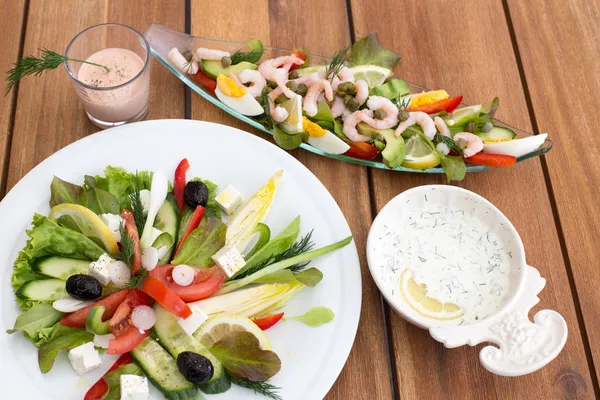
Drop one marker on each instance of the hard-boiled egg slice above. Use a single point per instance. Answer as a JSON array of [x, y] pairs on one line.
[[329, 143], [236, 97], [426, 98], [516, 147]]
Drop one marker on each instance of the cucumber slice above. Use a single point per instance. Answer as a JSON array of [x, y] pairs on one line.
[[164, 240], [167, 220], [462, 116], [62, 267], [43, 290], [497, 134], [176, 341], [94, 323], [161, 369]]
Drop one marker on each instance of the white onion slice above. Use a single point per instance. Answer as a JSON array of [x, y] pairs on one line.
[[103, 340], [69, 304], [143, 317], [150, 258], [183, 275], [120, 273]]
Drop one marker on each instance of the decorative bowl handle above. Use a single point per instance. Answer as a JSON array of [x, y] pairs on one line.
[[523, 346]]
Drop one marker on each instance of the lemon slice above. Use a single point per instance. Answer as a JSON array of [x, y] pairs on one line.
[[419, 155], [293, 124], [219, 325], [374, 75], [309, 70], [415, 295], [88, 223]]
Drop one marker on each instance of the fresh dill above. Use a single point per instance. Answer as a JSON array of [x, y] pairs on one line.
[[259, 387], [402, 103], [268, 120], [337, 63], [137, 207], [127, 246], [35, 66], [136, 281], [448, 142], [240, 56]]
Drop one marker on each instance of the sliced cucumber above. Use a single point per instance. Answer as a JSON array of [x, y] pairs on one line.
[[43, 290], [162, 371], [497, 134], [462, 116], [94, 323], [167, 220], [164, 240], [61, 267], [176, 341]]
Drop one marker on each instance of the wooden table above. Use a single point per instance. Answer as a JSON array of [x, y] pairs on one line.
[[541, 57]]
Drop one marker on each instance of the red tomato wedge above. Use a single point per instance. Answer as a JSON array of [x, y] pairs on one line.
[[179, 183], [127, 341], [265, 323], [132, 232], [364, 151], [195, 220], [206, 81], [100, 388], [78, 318], [447, 105], [301, 55], [492, 160], [166, 297], [119, 322], [206, 282]]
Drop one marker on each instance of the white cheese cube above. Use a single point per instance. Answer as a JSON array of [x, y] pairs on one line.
[[193, 322], [229, 199], [134, 387], [113, 222], [84, 358], [102, 340], [230, 259], [100, 269]]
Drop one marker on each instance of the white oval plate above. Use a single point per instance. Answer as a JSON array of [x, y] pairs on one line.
[[312, 358]]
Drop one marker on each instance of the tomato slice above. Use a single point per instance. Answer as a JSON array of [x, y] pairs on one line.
[[206, 282], [100, 388], [166, 297], [301, 55], [127, 341], [78, 318], [132, 232], [119, 322], [447, 105], [265, 323], [179, 185], [194, 222], [364, 151], [492, 160], [205, 80]]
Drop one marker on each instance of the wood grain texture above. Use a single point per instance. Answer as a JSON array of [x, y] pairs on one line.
[[49, 115], [10, 38], [559, 45], [465, 47], [287, 25]]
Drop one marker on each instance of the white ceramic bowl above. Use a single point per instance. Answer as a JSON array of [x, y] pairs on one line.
[[523, 346]]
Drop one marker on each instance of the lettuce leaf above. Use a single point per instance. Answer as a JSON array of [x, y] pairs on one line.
[[61, 338], [212, 207], [65, 192], [37, 323], [98, 200], [113, 380], [121, 183], [316, 316], [202, 244], [368, 51]]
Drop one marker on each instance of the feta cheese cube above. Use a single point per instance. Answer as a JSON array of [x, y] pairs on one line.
[[134, 387], [230, 259], [84, 358], [229, 199], [102, 340], [100, 269], [193, 322], [114, 223]]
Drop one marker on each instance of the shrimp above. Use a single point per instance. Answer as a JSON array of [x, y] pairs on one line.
[[268, 67], [350, 123], [345, 75], [279, 76], [385, 104], [235, 79], [362, 91], [278, 113], [338, 107], [444, 131], [202, 53], [310, 100], [470, 144], [183, 65], [255, 79], [421, 118], [308, 80]]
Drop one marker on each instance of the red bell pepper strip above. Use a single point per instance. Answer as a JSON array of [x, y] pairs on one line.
[[166, 297], [132, 232], [265, 323], [447, 105], [492, 160], [100, 388], [194, 222], [179, 185], [127, 341], [301, 55], [111, 303], [205, 80], [364, 151]]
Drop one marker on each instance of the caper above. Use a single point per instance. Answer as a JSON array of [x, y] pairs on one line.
[[281, 98], [352, 104], [293, 86], [470, 127], [347, 99], [487, 127], [347, 87], [378, 114], [226, 61], [272, 84], [302, 89], [293, 75], [341, 93], [268, 89], [403, 115]]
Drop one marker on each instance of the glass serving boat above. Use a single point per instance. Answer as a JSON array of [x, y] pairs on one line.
[[162, 39]]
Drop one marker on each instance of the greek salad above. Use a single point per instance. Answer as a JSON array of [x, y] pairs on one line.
[[178, 279], [355, 106]]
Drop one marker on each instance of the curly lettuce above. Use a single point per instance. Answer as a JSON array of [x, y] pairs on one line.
[[368, 51], [121, 183]]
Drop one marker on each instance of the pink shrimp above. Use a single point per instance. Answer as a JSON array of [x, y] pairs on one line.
[[308, 80], [255, 79], [444, 131], [280, 78], [350, 123], [268, 67], [345, 75], [180, 62], [202, 53], [235, 79], [338, 107], [421, 118], [310, 100], [362, 91], [470, 144], [385, 104]]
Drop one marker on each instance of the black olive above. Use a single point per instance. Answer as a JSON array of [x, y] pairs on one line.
[[195, 194], [195, 367], [83, 287]]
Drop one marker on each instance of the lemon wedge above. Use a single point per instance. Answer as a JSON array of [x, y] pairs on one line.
[[220, 325], [374, 75], [293, 124], [419, 155]]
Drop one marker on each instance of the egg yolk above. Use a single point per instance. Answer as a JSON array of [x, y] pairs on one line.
[[313, 129], [426, 98], [228, 87]]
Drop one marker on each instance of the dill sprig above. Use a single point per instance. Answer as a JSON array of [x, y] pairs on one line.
[[402, 103], [337, 63], [240, 56], [259, 387], [265, 99], [127, 246], [136, 281], [137, 207], [448, 142], [35, 66]]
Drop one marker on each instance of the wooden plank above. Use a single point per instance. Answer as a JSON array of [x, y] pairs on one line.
[[465, 48], [286, 24], [559, 46], [49, 115], [12, 26]]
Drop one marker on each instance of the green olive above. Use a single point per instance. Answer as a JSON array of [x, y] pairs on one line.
[[302, 89], [403, 115], [293, 75], [226, 61], [378, 114]]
